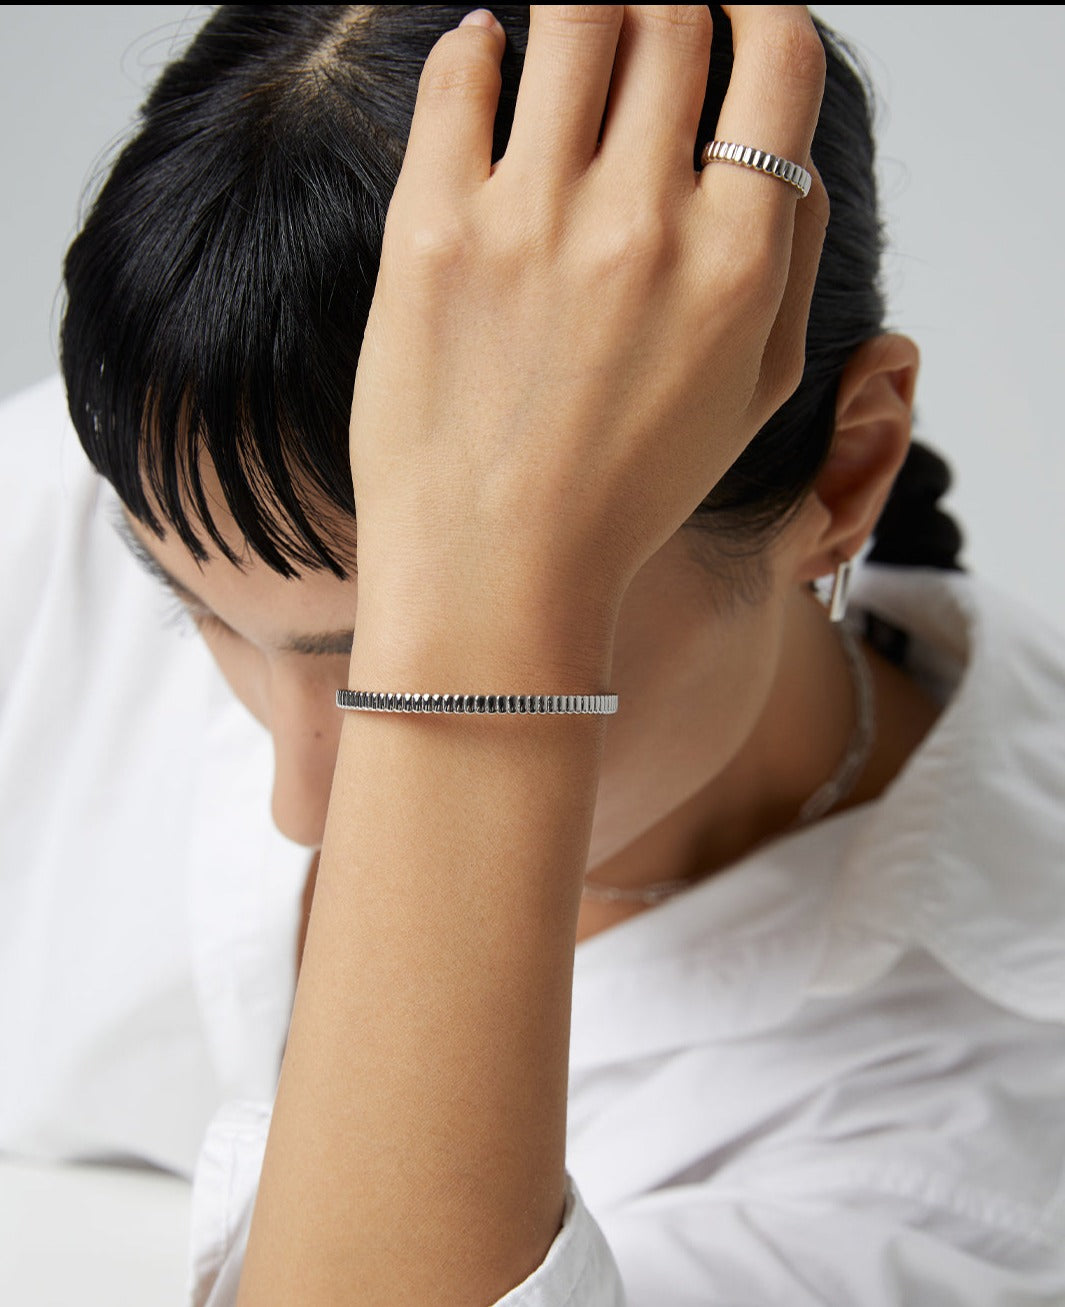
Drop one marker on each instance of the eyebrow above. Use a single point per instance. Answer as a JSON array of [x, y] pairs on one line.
[[328, 644]]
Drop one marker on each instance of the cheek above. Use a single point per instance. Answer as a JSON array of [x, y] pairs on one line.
[[305, 726], [294, 700], [245, 669]]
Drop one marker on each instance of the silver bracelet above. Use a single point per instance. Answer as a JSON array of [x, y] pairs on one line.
[[380, 701]]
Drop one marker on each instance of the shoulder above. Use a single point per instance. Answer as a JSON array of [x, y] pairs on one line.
[[48, 494], [963, 854], [36, 434], [883, 1145], [957, 624], [46, 474]]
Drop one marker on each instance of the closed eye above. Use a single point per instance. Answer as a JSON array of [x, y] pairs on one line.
[[329, 644], [181, 618]]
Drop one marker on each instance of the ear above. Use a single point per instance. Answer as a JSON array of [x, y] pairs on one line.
[[874, 413]]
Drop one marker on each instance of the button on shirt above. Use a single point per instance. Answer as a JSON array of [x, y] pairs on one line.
[[832, 1074]]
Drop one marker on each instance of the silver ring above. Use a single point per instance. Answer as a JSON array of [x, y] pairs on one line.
[[748, 157]]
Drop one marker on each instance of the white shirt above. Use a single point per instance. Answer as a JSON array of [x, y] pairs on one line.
[[833, 1074], [147, 903]]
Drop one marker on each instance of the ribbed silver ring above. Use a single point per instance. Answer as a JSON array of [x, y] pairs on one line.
[[748, 157], [382, 701]]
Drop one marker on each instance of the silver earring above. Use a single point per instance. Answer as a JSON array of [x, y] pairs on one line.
[[841, 586]]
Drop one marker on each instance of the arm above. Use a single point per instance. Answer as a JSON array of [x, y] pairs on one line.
[[416, 1152], [432, 1016]]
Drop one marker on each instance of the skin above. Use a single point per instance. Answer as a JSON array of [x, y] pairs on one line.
[[744, 708], [485, 391]]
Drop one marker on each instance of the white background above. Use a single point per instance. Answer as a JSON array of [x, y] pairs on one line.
[[971, 128]]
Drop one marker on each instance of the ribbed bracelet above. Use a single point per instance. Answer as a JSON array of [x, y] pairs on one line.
[[381, 701]]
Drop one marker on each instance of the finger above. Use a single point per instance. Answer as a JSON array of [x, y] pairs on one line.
[[773, 99], [449, 149], [658, 89], [563, 90], [784, 358]]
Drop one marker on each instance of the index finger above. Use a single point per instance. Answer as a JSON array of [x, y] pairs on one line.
[[449, 146]]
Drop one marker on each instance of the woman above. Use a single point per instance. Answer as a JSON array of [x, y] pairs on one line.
[[615, 411]]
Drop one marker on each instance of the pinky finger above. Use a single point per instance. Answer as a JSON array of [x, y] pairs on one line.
[[784, 358]]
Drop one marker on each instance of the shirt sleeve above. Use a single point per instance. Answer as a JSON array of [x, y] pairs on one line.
[[888, 1236], [578, 1271]]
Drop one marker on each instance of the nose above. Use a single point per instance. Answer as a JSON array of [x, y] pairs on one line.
[[305, 725]]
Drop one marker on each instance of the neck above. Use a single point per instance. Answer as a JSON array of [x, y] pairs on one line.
[[801, 735]]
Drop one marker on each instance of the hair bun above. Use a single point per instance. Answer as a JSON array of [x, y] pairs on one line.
[[913, 531]]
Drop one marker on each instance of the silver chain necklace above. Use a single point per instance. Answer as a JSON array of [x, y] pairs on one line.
[[823, 799]]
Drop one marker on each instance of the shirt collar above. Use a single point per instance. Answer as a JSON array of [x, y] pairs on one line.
[[961, 855]]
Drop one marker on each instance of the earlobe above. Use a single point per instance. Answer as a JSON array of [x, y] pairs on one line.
[[873, 420]]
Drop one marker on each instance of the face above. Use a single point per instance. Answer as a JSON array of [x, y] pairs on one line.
[[693, 677]]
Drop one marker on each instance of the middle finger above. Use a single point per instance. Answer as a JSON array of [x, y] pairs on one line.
[[563, 89], [656, 97]]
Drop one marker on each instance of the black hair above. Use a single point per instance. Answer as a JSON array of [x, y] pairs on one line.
[[218, 291]]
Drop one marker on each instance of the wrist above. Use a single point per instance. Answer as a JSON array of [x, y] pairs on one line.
[[490, 636]]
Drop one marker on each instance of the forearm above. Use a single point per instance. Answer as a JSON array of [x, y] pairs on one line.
[[417, 1148], [533, 418]]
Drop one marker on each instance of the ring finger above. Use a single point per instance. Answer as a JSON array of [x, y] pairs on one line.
[[772, 103]]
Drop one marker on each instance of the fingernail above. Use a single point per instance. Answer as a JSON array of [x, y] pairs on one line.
[[480, 18]]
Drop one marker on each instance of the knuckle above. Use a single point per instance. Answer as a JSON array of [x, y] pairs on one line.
[[568, 16], [689, 23], [573, 27], [792, 371], [642, 243], [748, 274], [793, 49], [463, 63], [750, 249], [430, 244]]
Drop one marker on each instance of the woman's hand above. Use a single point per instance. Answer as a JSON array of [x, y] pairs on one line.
[[568, 349]]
